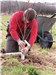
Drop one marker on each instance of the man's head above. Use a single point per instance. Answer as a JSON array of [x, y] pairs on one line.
[[29, 14]]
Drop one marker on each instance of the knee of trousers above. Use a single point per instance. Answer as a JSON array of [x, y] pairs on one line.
[[11, 45]]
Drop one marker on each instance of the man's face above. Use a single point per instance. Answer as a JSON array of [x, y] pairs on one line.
[[25, 20]]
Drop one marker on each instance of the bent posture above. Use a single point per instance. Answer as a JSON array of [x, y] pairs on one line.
[[20, 21]]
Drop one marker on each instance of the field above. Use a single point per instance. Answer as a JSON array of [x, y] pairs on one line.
[[39, 62]]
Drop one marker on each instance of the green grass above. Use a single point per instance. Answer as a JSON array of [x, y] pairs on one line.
[[4, 20], [53, 31], [46, 72], [13, 67], [15, 70], [33, 71]]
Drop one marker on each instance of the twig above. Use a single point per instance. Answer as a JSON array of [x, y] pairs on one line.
[[3, 24], [25, 21]]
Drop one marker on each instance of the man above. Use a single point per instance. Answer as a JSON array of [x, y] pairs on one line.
[[20, 23]]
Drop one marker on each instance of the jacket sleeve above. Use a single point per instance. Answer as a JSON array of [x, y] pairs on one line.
[[13, 28], [33, 34]]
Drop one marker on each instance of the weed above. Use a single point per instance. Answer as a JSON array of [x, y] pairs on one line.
[[32, 71]]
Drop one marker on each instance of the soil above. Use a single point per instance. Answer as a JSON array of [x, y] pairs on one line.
[[37, 58]]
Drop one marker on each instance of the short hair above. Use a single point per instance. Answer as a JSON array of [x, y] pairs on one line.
[[29, 14]]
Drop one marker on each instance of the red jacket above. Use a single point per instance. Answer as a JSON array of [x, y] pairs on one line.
[[14, 29]]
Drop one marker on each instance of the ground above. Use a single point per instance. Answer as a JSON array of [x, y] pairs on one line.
[[39, 58]]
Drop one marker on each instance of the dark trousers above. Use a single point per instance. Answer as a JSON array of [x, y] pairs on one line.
[[12, 45]]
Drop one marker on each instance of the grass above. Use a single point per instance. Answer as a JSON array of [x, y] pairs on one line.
[[33, 71], [12, 66], [47, 72], [18, 69], [4, 20]]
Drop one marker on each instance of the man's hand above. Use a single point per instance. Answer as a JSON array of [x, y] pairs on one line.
[[25, 50], [21, 43]]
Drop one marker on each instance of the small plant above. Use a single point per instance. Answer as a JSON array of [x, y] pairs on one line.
[[33, 71]]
